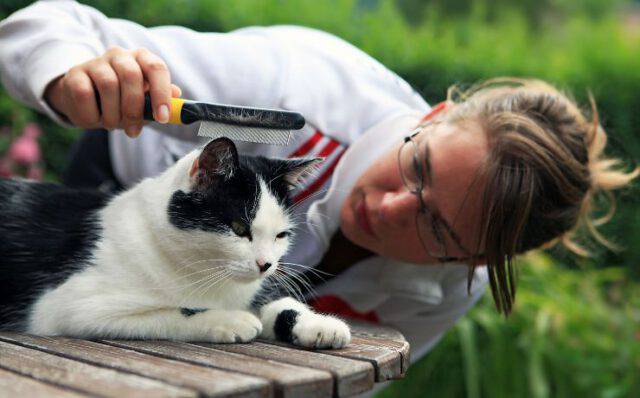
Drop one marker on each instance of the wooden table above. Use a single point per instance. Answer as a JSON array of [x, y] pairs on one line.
[[32, 366]]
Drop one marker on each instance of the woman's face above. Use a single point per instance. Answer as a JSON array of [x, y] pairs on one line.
[[380, 212]]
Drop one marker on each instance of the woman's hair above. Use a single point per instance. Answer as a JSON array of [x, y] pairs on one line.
[[544, 168]]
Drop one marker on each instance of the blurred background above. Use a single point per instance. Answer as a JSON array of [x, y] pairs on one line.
[[575, 330]]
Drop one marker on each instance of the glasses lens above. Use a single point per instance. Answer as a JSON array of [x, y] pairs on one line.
[[409, 166], [430, 234]]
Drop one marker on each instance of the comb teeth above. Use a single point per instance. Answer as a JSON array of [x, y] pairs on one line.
[[242, 133]]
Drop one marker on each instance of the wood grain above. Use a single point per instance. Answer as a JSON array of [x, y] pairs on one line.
[[66, 367], [83, 377], [13, 385], [402, 348], [350, 376], [386, 362], [366, 329], [288, 380], [210, 382], [381, 335]]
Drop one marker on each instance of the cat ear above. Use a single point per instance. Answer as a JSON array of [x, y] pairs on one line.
[[299, 168], [218, 159]]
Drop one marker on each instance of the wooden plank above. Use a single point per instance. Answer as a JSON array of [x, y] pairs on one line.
[[14, 385], [380, 335], [386, 362], [402, 348], [366, 329], [377, 332], [83, 377], [210, 382], [350, 376], [288, 380]]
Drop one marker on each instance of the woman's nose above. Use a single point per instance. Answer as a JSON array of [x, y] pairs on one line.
[[398, 207]]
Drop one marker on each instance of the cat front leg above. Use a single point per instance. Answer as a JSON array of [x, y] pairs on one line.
[[120, 320], [226, 326], [291, 321]]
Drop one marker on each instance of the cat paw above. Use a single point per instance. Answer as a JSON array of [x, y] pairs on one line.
[[320, 331], [236, 327]]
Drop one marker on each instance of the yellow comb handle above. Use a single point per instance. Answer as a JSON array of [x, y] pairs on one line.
[[175, 110]]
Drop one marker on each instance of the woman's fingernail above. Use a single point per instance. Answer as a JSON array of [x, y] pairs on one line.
[[133, 131], [137, 130], [163, 114]]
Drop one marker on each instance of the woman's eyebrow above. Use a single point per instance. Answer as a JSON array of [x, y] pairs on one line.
[[429, 181], [427, 162]]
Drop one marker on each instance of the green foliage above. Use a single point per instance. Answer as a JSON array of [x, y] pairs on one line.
[[574, 333], [578, 46], [575, 328]]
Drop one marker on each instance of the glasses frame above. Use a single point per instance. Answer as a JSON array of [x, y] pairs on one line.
[[423, 211]]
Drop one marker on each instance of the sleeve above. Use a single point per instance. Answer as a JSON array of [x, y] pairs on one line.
[[46, 39], [340, 89], [424, 328], [42, 42]]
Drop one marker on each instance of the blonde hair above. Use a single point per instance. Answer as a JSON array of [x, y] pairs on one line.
[[546, 164]]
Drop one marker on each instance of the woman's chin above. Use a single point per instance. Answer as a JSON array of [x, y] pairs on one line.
[[357, 237]]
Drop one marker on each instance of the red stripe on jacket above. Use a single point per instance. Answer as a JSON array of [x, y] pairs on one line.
[[331, 304], [313, 187], [328, 149], [308, 145]]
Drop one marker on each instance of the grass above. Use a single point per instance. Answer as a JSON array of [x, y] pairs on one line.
[[573, 333]]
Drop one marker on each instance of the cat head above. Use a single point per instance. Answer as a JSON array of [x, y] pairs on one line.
[[235, 211]]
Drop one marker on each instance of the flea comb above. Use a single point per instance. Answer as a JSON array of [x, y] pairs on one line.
[[265, 126]]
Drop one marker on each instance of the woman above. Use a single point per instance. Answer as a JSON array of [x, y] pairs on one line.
[[509, 166]]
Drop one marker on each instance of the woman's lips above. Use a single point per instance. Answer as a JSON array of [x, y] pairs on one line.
[[362, 216]]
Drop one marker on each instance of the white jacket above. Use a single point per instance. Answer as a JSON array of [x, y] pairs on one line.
[[355, 110]]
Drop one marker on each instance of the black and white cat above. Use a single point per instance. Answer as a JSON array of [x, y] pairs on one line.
[[181, 256]]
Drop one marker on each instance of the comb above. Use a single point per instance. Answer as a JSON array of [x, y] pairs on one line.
[[261, 125]]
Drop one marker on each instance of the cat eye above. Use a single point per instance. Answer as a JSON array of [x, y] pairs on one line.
[[241, 229], [283, 234]]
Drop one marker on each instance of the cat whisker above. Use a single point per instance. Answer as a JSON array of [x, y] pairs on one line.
[[290, 285], [196, 282], [222, 280], [188, 263], [308, 268], [204, 283], [304, 281]]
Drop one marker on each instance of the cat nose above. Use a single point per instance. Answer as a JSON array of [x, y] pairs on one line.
[[263, 266]]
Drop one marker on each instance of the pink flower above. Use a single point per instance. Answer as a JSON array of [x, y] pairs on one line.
[[24, 154], [25, 149]]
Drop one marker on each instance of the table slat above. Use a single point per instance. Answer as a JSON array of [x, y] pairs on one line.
[[351, 376], [402, 348], [366, 329], [83, 377], [209, 381], [386, 362], [14, 385], [379, 335], [289, 380]]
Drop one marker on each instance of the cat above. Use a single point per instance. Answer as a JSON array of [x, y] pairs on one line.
[[181, 256]]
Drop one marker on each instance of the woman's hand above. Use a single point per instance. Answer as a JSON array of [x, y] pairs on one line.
[[119, 78]]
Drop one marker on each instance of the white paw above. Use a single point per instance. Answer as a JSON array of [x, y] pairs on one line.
[[236, 327], [320, 331]]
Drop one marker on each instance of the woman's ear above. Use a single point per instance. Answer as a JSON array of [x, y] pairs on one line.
[[299, 168], [218, 160]]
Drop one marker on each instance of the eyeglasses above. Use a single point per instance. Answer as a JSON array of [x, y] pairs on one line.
[[410, 163]]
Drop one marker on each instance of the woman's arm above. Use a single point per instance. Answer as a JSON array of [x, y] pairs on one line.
[[341, 90], [40, 43], [47, 40]]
